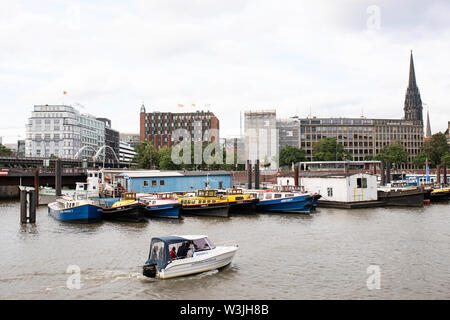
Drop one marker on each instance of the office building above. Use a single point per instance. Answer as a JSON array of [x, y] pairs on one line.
[[62, 131], [158, 127]]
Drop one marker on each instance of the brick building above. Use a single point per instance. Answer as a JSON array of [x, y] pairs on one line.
[[159, 126]]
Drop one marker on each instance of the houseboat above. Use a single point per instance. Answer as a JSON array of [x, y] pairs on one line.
[[75, 208], [284, 202], [401, 194], [160, 205], [205, 203], [191, 254], [239, 202], [126, 209]]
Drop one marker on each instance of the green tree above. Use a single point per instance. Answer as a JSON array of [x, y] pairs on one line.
[[436, 147], [4, 151], [290, 154], [329, 150], [147, 157], [446, 158], [420, 159], [395, 153]]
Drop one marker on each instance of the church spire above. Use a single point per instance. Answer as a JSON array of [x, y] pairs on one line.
[[428, 132], [413, 102]]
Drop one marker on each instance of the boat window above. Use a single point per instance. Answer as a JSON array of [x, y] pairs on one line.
[[214, 201], [361, 183], [239, 198], [330, 192], [209, 201], [189, 201], [157, 250], [203, 244], [277, 196], [100, 175], [268, 196], [289, 195]]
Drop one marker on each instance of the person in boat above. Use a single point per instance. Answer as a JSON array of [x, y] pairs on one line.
[[182, 251], [173, 254], [191, 250]]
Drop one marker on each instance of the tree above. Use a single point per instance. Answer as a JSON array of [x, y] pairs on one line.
[[446, 158], [165, 160], [395, 153], [436, 147], [290, 154], [329, 150], [420, 159], [146, 155], [4, 151]]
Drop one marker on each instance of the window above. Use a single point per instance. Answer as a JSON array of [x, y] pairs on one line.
[[277, 196], [361, 183], [330, 192], [162, 182], [154, 183], [145, 183], [220, 185]]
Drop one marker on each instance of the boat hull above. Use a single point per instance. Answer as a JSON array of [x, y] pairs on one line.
[[298, 204], [402, 198], [189, 266], [171, 211], [127, 213], [83, 213], [439, 196], [212, 210], [243, 206]]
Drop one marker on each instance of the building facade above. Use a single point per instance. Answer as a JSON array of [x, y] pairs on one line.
[[363, 137], [261, 138], [288, 133], [112, 140], [158, 127], [126, 152], [131, 138], [61, 131]]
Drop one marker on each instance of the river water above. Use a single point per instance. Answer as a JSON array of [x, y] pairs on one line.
[[377, 253]]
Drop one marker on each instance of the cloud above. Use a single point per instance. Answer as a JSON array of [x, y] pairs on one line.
[[299, 57]]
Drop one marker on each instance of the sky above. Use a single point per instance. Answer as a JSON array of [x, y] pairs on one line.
[[325, 58]]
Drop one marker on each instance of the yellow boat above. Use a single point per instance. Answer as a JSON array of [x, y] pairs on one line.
[[440, 194], [206, 203], [127, 209], [240, 202]]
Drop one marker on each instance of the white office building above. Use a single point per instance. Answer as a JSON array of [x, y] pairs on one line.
[[126, 152], [62, 131]]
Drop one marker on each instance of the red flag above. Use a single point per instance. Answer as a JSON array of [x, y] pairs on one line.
[[180, 106], [64, 92]]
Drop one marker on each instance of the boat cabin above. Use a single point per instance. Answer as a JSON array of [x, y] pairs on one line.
[[206, 193], [129, 196], [159, 248]]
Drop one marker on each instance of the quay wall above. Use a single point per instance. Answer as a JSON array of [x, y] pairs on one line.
[[9, 192]]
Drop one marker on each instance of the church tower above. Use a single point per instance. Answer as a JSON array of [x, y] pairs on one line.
[[413, 103]]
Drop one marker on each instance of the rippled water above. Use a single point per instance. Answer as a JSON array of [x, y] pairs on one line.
[[281, 256]]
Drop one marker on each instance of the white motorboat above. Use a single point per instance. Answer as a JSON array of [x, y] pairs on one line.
[[202, 256]]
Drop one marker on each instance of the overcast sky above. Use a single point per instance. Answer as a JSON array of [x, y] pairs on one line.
[[324, 58]]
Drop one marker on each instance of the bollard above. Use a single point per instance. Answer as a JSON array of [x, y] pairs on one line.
[[383, 173]]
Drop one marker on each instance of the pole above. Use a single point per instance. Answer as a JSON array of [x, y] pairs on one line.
[[249, 174], [23, 206], [33, 202], [36, 185], [58, 177], [383, 173], [257, 175]]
